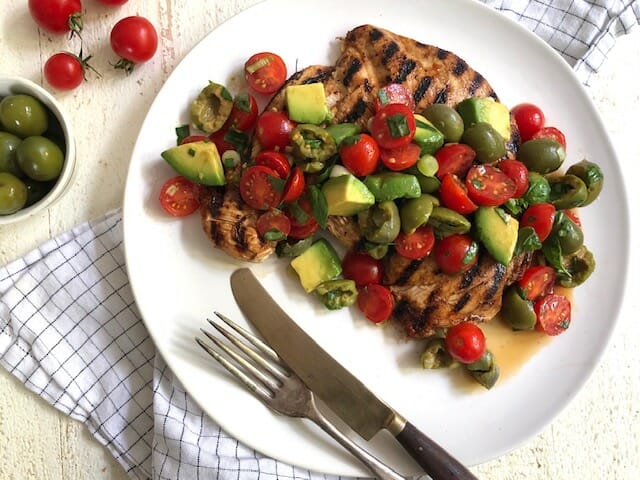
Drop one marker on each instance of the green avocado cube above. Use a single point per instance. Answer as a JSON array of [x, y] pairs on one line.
[[475, 110], [346, 195], [317, 264], [198, 161], [307, 103], [498, 232]]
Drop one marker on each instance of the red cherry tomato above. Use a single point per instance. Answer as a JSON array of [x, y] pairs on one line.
[[193, 138], [553, 314], [552, 133], [221, 144], [273, 130], [540, 217], [265, 72], [179, 197], [301, 227], [244, 112], [113, 2], [537, 281], [376, 302], [273, 225], [400, 158], [488, 186], [456, 253], [64, 71], [362, 268], [256, 188], [360, 154], [529, 119], [574, 216], [465, 342], [294, 186], [454, 158], [135, 40], [415, 245], [454, 195], [57, 16], [393, 126], [394, 93], [516, 171], [276, 161]]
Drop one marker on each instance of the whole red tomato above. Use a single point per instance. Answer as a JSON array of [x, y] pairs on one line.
[[465, 342], [64, 71], [135, 40], [57, 16]]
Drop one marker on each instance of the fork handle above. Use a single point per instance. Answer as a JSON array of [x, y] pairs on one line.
[[381, 471]]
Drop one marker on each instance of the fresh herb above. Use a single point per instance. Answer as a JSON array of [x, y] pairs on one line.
[[319, 207], [383, 97], [553, 254], [274, 235], [242, 102], [471, 254], [352, 140], [528, 241], [182, 132], [504, 216], [300, 216], [277, 183], [397, 125], [515, 206], [191, 152], [238, 139]]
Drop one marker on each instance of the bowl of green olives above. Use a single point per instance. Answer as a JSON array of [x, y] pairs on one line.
[[37, 149]]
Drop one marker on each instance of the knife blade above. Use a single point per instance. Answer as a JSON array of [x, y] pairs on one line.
[[340, 390]]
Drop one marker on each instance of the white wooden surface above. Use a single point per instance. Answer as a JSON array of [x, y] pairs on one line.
[[596, 437]]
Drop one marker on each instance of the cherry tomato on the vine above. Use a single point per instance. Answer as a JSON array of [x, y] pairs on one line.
[[265, 72], [537, 281], [57, 16], [454, 195], [294, 187], [518, 172], [64, 71], [540, 217], [276, 161], [135, 40], [179, 197], [454, 158], [465, 342], [488, 186]]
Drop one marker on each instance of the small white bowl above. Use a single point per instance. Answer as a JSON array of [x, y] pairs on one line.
[[15, 85]]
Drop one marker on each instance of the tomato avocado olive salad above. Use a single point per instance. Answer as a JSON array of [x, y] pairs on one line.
[[446, 185]]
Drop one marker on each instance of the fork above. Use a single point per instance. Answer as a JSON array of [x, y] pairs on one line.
[[262, 371]]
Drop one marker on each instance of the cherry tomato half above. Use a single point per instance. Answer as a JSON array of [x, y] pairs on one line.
[[394, 93], [179, 197], [135, 40], [57, 16], [276, 161], [552, 133], [454, 158], [273, 225], [537, 281], [465, 342], [456, 253], [553, 313], [256, 188], [529, 119], [294, 186], [540, 217], [518, 172], [415, 245], [574, 215], [301, 228], [393, 126], [244, 112], [360, 154], [273, 130], [454, 195], [64, 71], [265, 72], [376, 302], [488, 186], [362, 268], [221, 144], [400, 158], [193, 138]]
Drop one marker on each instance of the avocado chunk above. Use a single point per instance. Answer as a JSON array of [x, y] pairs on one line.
[[307, 103], [211, 109], [427, 136], [391, 185], [317, 264], [475, 110], [498, 232], [346, 195], [198, 161]]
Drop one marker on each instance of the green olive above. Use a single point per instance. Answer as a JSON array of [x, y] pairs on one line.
[[40, 158], [538, 191], [376, 250], [211, 109], [312, 146], [13, 194], [8, 162], [286, 249], [36, 190], [447, 222], [592, 176], [567, 191], [517, 311], [580, 265], [436, 355], [428, 184], [380, 223], [445, 119], [486, 141], [485, 371], [23, 115], [415, 212], [566, 233], [542, 155]]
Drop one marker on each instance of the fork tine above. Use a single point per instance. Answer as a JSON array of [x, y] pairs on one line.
[[260, 392], [259, 344]]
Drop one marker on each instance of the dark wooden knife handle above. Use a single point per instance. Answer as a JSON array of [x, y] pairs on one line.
[[435, 461]]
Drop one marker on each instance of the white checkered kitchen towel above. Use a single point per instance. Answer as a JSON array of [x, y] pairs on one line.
[[69, 328]]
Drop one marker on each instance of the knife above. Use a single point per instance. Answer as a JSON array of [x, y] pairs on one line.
[[342, 392]]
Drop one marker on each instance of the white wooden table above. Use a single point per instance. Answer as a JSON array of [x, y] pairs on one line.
[[596, 437]]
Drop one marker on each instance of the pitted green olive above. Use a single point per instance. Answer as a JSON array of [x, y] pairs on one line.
[[567, 191], [517, 311], [380, 223], [286, 249], [580, 265], [436, 355], [415, 212], [376, 250], [312, 146], [592, 176], [485, 371], [445, 221], [445, 119], [486, 141], [541, 155], [428, 184], [211, 109]]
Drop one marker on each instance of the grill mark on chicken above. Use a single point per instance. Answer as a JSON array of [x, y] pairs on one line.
[[493, 95], [389, 51], [496, 280], [460, 67], [356, 112], [469, 276], [442, 54], [407, 272], [464, 299], [374, 34], [441, 96], [367, 86], [406, 68], [353, 68], [320, 77], [478, 79], [422, 88]]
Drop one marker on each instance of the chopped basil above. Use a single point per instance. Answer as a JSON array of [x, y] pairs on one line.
[[242, 102], [515, 206], [397, 125], [238, 139], [299, 214], [471, 254], [383, 97], [257, 65], [503, 215], [277, 183], [274, 235], [553, 254], [319, 207], [182, 132], [191, 152], [528, 241]]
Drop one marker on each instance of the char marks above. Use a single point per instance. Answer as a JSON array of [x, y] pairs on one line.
[[442, 95], [422, 88], [460, 67], [356, 112], [406, 68], [354, 67], [442, 54], [389, 51]]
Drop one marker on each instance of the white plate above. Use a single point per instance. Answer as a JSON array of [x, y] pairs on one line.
[[178, 279]]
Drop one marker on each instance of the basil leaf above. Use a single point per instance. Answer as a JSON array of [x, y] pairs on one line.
[[274, 235], [471, 254], [277, 183], [299, 214], [397, 125], [319, 207], [528, 241], [504, 216], [242, 103], [515, 206], [553, 254], [238, 139], [326, 172], [182, 132]]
